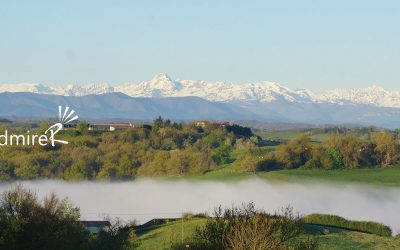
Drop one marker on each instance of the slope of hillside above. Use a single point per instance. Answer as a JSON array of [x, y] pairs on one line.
[[162, 236]]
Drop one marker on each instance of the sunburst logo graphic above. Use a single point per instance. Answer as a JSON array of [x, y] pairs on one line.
[[66, 116]]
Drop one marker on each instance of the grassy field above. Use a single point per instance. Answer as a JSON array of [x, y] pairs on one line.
[[162, 236], [388, 176], [288, 135], [280, 135], [316, 136], [356, 240]]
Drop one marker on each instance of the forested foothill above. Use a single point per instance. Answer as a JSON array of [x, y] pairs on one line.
[[167, 148]]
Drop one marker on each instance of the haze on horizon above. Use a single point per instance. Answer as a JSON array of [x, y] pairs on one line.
[[307, 44]]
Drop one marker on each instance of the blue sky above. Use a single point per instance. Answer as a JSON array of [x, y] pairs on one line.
[[301, 44]]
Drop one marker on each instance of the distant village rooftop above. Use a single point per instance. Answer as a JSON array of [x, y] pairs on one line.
[[109, 126]]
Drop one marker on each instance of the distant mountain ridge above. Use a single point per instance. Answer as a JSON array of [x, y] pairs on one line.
[[264, 92], [120, 106]]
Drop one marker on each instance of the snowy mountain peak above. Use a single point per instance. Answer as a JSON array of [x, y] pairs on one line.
[[161, 77], [25, 87], [91, 89], [372, 95], [162, 85]]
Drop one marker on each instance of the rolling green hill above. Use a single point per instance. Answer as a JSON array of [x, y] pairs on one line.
[[387, 176], [163, 235]]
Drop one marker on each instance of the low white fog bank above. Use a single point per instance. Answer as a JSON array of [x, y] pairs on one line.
[[150, 198]]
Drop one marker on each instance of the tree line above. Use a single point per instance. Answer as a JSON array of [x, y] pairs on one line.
[[338, 151], [167, 148], [163, 148]]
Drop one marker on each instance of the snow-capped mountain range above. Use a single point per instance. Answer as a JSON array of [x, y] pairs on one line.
[[163, 86]]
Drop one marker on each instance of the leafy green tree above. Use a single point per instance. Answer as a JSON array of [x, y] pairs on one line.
[[344, 149], [84, 141], [6, 170], [156, 163], [28, 170], [335, 157], [222, 154], [82, 127], [248, 162], [212, 140], [257, 140], [385, 147], [397, 132], [116, 236], [43, 126], [239, 130], [76, 172], [321, 158], [158, 123], [27, 223], [296, 153]]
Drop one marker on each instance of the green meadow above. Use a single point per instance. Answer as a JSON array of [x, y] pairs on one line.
[[387, 177], [163, 235]]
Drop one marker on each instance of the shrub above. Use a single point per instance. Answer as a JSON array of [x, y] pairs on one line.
[[337, 221], [187, 216], [248, 228]]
